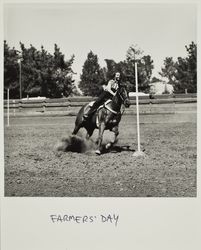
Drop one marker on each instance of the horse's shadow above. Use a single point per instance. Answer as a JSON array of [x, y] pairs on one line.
[[117, 149]]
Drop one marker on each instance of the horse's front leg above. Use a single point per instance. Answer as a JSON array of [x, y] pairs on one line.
[[116, 133], [100, 137], [89, 133]]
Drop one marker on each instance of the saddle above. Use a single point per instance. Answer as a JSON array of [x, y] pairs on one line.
[[105, 104], [90, 104]]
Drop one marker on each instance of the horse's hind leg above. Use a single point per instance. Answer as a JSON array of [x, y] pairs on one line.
[[78, 122], [76, 129]]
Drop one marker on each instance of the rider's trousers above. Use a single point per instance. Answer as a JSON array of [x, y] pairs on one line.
[[104, 96]]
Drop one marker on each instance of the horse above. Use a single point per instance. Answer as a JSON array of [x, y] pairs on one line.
[[107, 117]]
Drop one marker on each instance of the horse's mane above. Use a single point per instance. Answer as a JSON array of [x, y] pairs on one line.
[[123, 86]]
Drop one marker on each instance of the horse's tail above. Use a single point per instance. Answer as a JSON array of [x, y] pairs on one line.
[[80, 114], [79, 120]]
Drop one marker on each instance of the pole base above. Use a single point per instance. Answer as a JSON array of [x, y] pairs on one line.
[[138, 154]]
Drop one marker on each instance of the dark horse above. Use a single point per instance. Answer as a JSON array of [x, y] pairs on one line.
[[107, 117]]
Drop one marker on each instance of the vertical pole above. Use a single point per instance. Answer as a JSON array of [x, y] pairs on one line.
[[8, 107], [20, 80], [137, 109]]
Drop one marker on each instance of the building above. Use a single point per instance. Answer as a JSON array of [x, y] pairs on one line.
[[158, 88]]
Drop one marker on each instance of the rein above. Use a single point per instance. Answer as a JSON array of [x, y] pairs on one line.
[[113, 111], [121, 96]]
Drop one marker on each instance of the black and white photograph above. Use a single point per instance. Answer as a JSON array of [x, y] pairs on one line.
[[99, 131], [100, 100]]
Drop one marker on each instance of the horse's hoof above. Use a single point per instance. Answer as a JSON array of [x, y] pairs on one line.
[[108, 145], [98, 152]]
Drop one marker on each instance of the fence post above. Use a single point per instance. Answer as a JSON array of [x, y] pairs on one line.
[[20, 105], [14, 107], [8, 122], [44, 106], [150, 106]]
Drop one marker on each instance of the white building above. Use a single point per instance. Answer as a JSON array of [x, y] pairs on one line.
[[159, 88]]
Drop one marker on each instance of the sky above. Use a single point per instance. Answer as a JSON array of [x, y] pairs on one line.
[[160, 30]]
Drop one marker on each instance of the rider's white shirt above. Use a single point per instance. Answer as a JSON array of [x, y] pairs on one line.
[[111, 87]]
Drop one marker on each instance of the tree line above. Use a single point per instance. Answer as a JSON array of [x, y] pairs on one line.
[[51, 75], [182, 73], [41, 73]]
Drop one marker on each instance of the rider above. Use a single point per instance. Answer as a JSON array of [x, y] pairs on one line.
[[109, 91]]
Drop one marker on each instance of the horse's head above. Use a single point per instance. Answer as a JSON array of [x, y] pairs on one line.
[[123, 94]]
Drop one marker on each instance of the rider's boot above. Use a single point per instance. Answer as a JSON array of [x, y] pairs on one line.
[[85, 117], [88, 115]]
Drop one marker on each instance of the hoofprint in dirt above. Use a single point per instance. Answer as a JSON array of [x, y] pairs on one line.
[[34, 168]]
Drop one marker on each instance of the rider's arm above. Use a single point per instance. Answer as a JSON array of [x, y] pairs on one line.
[[108, 88]]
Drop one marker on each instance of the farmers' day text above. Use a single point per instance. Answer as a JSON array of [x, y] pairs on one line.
[[85, 219]]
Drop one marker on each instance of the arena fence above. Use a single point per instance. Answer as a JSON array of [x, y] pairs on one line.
[[70, 106]]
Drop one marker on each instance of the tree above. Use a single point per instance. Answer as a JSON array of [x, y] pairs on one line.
[[192, 67], [111, 68], [169, 70], [42, 73], [134, 53], [155, 79], [145, 67], [62, 74], [92, 76], [182, 74], [31, 84], [145, 72], [127, 69], [11, 71]]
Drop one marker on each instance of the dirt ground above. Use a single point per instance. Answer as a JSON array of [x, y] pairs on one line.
[[34, 168]]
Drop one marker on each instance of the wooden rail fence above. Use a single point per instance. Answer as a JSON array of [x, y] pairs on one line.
[[159, 103]]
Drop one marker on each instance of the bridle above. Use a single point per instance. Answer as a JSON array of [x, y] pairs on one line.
[[123, 102], [122, 98]]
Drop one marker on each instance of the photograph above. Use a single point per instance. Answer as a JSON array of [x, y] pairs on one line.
[[100, 100]]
